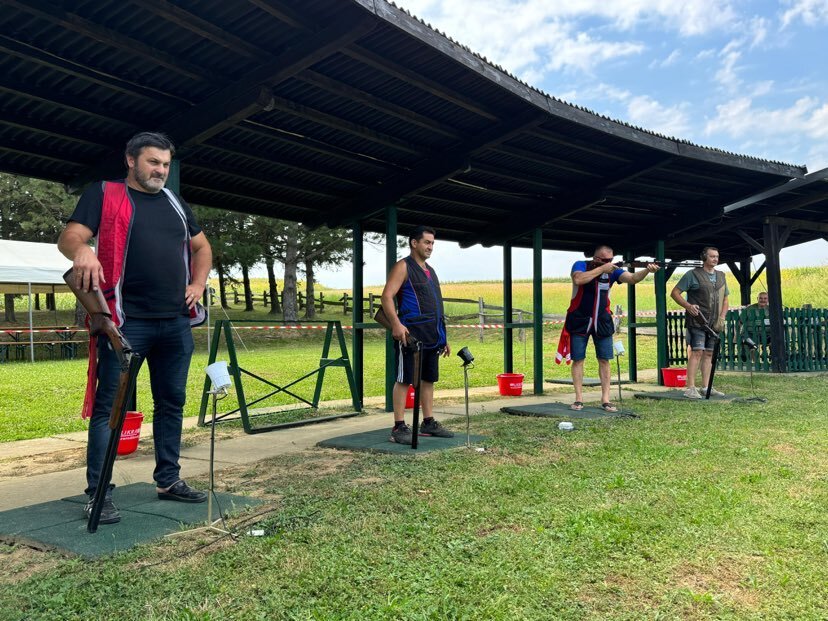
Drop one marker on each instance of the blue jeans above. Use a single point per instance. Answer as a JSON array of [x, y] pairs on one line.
[[167, 346]]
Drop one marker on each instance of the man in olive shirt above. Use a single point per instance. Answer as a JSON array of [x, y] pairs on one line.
[[706, 305]]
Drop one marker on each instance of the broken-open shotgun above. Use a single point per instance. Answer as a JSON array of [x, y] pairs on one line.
[[101, 324]]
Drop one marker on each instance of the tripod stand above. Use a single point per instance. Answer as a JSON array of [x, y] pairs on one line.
[[211, 523]]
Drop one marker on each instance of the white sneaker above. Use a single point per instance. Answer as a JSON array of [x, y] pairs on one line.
[[692, 393], [716, 393]]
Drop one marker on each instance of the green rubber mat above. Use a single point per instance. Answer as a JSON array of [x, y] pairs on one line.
[[678, 395], [377, 442], [561, 410], [60, 524], [588, 381]]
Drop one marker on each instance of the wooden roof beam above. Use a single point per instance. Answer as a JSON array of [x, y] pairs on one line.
[[334, 122], [797, 224], [29, 52], [340, 89], [53, 14], [413, 78], [430, 172], [570, 202], [248, 95]]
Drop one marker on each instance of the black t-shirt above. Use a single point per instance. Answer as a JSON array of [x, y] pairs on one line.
[[155, 274]]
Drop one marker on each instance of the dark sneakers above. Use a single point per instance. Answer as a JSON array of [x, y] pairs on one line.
[[109, 512], [401, 434], [182, 492], [435, 429]]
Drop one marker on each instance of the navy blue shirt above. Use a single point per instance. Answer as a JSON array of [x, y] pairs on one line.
[[155, 275]]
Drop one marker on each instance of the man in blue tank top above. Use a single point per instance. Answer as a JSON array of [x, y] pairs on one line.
[[414, 304]]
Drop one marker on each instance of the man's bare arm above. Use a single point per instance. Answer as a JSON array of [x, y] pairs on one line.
[[395, 281], [74, 245], [582, 278], [633, 278], [202, 264]]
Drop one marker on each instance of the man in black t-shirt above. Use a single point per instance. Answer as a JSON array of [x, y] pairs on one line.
[[158, 273]]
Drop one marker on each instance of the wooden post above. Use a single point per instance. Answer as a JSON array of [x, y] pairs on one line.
[[779, 353], [481, 314]]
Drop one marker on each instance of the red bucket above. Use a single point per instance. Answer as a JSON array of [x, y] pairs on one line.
[[409, 398], [510, 384], [674, 377], [130, 433]]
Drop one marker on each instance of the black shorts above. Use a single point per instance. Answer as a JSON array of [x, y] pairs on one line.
[[405, 364]]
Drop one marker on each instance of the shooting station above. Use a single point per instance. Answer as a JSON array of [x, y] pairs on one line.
[[355, 114]]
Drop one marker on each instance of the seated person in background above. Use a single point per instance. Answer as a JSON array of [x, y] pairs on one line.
[[753, 322]]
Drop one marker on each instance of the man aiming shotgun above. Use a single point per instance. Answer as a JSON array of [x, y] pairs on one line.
[[413, 303]]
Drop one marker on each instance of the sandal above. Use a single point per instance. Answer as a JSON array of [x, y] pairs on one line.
[[608, 407], [577, 406]]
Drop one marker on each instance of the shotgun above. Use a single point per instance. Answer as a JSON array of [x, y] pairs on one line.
[[381, 318], [101, 324]]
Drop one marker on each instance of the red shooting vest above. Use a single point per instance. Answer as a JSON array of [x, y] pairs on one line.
[[111, 246]]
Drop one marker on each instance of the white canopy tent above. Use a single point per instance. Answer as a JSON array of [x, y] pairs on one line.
[[31, 267]]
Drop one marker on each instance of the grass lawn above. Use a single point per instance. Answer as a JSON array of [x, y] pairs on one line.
[[690, 512]]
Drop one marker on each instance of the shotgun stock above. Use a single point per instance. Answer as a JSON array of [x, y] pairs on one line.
[[382, 319]]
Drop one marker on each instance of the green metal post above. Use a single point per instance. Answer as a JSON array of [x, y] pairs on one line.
[[174, 178], [357, 315], [390, 260], [537, 308], [661, 313], [632, 348], [508, 333]]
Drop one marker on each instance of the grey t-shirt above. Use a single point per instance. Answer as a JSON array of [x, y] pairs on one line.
[[688, 281]]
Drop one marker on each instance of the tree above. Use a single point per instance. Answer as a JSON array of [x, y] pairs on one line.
[[31, 210]]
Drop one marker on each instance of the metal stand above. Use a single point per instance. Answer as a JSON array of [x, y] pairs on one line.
[[211, 523], [468, 418]]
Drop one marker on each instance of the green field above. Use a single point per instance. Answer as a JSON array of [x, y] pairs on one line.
[[44, 398]]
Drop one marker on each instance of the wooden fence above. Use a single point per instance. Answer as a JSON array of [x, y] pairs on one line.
[[806, 339]]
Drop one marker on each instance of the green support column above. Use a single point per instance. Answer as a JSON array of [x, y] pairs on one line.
[[174, 178], [390, 260], [537, 308], [661, 314], [508, 333], [632, 348], [357, 314]]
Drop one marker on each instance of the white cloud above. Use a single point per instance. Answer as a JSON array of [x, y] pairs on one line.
[[532, 37], [667, 62], [651, 114], [740, 119], [811, 12]]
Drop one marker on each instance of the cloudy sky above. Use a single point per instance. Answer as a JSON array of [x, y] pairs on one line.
[[747, 77]]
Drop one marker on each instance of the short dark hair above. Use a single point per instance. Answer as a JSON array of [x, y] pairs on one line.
[[418, 232], [707, 249], [141, 140], [600, 247]]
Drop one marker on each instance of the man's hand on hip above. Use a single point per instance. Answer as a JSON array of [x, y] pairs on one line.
[[192, 294]]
